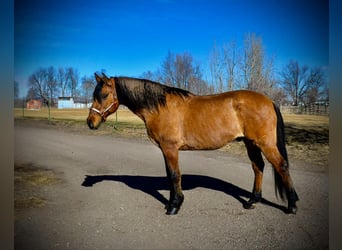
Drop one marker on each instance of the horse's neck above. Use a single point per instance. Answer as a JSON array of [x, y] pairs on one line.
[[144, 115]]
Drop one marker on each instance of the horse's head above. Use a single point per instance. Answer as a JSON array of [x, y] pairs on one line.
[[105, 101]]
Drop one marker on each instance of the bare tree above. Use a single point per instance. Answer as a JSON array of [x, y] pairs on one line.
[[217, 68], [184, 70], [31, 93], [43, 82], [37, 83], [294, 83], [230, 60], [168, 71], [51, 83], [257, 70], [88, 84], [200, 87], [245, 68], [253, 62], [149, 75], [317, 86], [72, 77], [153, 76], [62, 80], [180, 71], [302, 84]]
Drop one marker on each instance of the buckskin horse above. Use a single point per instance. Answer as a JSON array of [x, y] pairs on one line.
[[176, 119]]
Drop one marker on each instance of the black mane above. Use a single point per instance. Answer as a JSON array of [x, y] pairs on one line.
[[139, 94]]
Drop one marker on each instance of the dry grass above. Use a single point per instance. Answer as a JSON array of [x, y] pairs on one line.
[[28, 179], [76, 115], [307, 136]]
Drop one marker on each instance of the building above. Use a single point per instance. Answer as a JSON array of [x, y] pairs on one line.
[[34, 104], [69, 103], [65, 102]]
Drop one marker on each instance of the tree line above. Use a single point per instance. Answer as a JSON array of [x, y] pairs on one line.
[[230, 67], [47, 84], [247, 67]]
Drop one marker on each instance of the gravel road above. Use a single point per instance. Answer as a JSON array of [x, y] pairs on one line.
[[112, 194]]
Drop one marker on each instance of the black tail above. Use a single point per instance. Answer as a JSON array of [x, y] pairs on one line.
[[279, 185]]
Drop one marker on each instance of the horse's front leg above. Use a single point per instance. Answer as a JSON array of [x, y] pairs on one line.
[[174, 178]]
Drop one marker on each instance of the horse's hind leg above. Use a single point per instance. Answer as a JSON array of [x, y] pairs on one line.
[[254, 154], [174, 177], [283, 180]]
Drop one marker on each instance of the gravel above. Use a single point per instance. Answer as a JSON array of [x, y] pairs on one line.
[[112, 194]]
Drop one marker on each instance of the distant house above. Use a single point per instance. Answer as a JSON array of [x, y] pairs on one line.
[[70, 103], [65, 102], [33, 104]]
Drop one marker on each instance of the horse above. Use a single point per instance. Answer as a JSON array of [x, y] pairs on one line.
[[177, 119]]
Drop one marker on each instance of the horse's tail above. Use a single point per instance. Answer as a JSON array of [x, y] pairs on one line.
[[279, 185]]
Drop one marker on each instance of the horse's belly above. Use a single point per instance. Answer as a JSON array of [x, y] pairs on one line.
[[201, 132], [208, 141]]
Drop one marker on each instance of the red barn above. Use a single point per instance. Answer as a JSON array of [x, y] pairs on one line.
[[33, 104]]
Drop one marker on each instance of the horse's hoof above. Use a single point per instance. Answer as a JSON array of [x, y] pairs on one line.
[[250, 204], [172, 210], [292, 210]]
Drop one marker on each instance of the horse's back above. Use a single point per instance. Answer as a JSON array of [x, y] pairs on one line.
[[247, 104], [213, 121]]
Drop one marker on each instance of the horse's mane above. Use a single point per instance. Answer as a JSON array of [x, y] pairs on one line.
[[139, 94]]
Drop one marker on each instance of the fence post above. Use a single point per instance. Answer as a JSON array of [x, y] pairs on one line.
[[23, 107], [116, 120], [49, 110]]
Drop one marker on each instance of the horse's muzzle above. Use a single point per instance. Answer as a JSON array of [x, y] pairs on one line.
[[91, 124]]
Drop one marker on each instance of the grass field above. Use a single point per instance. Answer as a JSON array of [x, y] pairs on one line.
[[77, 115], [307, 136]]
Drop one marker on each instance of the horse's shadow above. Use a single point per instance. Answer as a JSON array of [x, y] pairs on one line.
[[152, 184]]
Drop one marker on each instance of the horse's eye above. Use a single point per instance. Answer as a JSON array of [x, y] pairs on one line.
[[104, 96]]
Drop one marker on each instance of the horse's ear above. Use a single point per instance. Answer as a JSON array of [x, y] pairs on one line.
[[105, 77], [110, 82], [98, 78]]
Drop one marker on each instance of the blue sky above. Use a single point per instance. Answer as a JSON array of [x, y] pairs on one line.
[[130, 37]]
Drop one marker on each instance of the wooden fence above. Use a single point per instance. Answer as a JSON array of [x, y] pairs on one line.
[[308, 109]]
